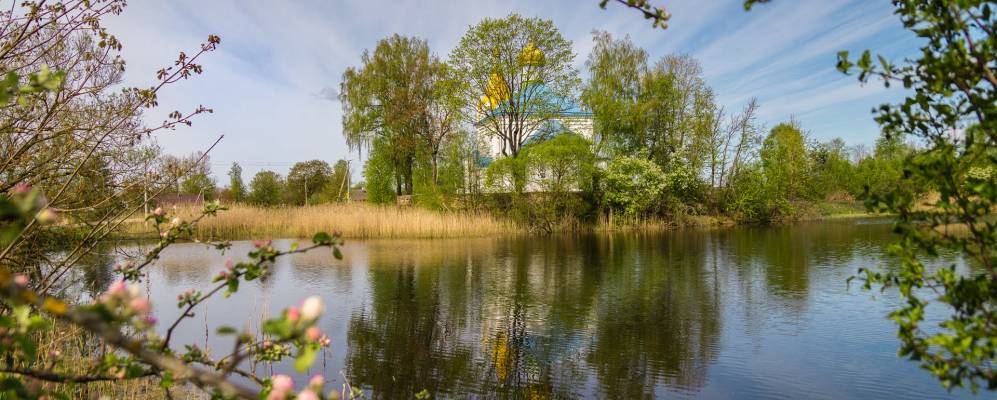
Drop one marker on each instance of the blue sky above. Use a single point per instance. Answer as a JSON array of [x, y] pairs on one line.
[[270, 80]]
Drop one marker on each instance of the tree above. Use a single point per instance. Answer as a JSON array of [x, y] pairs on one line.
[[266, 189], [952, 109], [339, 183], [236, 187], [305, 179], [406, 96], [521, 70], [662, 111], [199, 184], [785, 163], [379, 173], [881, 173], [616, 68], [632, 184], [831, 170], [561, 164]]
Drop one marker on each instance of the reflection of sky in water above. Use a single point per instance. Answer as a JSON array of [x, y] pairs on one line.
[[737, 313]]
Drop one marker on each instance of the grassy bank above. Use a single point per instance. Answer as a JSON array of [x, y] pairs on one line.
[[366, 221], [354, 220]]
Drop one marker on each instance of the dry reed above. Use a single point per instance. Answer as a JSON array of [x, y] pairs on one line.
[[353, 220]]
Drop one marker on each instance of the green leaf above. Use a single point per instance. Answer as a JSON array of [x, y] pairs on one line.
[[305, 358], [226, 330], [166, 381], [321, 238]]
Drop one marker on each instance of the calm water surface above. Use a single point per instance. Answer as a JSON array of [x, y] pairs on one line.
[[734, 313]]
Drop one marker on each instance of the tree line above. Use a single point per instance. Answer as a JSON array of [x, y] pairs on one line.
[[662, 146]]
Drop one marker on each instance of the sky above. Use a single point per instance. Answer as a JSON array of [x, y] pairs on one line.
[[273, 80]]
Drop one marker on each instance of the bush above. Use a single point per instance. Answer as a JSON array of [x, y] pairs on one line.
[[633, 184]]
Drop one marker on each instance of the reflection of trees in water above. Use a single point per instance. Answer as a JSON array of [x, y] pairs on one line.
[[631, 314], [535, 312], [524, 317], [658, 319], [785, 260], [406, 342]]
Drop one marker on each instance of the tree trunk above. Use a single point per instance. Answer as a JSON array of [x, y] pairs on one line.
[[435, 165]]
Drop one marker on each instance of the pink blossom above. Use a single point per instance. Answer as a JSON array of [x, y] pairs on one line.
[[324, 341], [229, 264], [223, 275], [140, 305], [150, 320], [22, 188], [313, 334], [21, 280], [117, 288], [307, 394], [293, 314], [316, 382], [282, 383]]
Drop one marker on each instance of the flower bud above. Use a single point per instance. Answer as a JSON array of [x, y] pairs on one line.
[[46, 216], [293, 314], [312, 308], [117, 288], [316, 382], [307, 394], [140, 305], [282, 384], [313, 334]]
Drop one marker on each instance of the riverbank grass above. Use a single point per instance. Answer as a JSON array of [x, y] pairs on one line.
[[353, 220]]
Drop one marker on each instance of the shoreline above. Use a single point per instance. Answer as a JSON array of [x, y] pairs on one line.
[[363, 221]]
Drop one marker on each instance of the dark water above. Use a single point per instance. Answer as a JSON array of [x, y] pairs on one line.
[[735, 313]]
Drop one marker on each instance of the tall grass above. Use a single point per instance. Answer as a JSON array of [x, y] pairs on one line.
[[354, 220]]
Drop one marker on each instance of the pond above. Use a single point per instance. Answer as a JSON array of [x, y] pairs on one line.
[[747, 312]]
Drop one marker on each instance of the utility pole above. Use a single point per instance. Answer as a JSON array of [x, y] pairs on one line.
[[145, 189]]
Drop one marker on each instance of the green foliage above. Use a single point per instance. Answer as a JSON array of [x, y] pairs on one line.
[[506, 175], [881, 173], [785, 163], [405, 97], [665, 111], [831, 171], [953, 89], [749, 198], [266, 189], [380, 174], [561, 164], [516, 66], [682, 181], [306, 179], [633, 184], [236, 187], [338, 186], [615, 69], [198, 184]]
